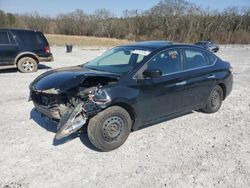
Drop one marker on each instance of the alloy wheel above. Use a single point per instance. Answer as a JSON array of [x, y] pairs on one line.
[[28, 66]]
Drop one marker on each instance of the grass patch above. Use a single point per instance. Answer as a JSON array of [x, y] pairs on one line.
[[61, 40]]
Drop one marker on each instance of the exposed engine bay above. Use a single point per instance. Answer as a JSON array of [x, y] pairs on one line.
[[72, 108]]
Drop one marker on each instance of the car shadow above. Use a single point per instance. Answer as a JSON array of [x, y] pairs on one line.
[[51, 126], [14, 69], [8, 70], [42, 66], [85, 140], [43, 121]]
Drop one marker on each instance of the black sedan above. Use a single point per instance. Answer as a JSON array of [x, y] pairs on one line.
[[130, 87], [209, 46]]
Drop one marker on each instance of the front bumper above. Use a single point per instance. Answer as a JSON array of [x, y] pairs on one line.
[[52, 113], [68, 123]]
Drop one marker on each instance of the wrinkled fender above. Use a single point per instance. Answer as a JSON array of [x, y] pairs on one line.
[[126, 105], [125, 99], [25, 53]]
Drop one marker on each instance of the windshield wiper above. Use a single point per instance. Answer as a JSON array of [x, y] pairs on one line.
[[93, 69], [100, 70]]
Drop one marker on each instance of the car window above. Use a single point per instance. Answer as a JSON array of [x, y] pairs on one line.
[[29, 38], [12, 40], [140, 58], [118, 58], [194, 59], [211, 58], [4, 38], [168, 61]]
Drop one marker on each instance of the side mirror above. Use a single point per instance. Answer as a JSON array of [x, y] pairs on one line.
[[152, 73]]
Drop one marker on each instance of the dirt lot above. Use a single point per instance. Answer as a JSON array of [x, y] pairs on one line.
[[196, 150], [61, 40]]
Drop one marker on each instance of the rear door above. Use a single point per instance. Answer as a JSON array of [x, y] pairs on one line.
[[186, 82], [8, 48], [199, 76]]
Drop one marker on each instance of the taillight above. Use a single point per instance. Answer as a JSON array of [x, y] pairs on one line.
[[47, 50]]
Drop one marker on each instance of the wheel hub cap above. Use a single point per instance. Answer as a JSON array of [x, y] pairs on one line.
[[113, 128], [215, 99], [28, 66]]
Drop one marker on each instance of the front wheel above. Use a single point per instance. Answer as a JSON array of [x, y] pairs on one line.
[[110, 128], [214, 100]]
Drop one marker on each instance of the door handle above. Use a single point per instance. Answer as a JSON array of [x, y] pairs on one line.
[[181, 83], [211, 76]]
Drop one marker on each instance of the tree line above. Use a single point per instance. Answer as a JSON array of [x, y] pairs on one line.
[[173, 20]]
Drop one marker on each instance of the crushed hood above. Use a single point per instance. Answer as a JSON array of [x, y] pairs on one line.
[[64, 79]]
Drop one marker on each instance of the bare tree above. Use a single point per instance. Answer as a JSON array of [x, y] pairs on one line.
[[175, 20]]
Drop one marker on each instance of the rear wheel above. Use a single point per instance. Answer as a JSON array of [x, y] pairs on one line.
[[110, 128], [27, 65], [214, 101]]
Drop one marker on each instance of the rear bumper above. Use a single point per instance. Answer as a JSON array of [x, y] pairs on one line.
[[46, 59], [229, 84]]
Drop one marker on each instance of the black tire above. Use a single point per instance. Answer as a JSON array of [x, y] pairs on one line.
[[214, 100], [27, 65], [110, 128]]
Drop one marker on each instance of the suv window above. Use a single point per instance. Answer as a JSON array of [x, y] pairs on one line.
[[4, 38], [168, 61], [31, 38], [194, 59]]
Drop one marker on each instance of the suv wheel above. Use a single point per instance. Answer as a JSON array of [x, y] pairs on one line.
[[27, 65], [110, 128], [214, 100]]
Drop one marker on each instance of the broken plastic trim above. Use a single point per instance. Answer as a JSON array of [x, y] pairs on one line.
[[49, 91], [71, 122]]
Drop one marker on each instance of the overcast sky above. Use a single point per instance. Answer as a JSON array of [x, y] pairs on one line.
[[54, 7]]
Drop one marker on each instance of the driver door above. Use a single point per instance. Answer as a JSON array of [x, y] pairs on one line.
[[162, 96]]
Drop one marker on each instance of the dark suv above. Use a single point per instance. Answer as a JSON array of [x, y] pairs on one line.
[[23, 49]]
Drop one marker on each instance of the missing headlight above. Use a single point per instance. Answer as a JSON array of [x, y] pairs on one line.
[[101, 96]]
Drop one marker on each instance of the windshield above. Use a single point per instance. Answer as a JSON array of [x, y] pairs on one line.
[[118, 60]]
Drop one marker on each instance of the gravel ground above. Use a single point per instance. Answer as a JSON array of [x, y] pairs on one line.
[[196, 150]]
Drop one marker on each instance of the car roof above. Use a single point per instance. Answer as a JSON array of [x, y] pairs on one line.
[[205, 41], [158, 45], [149, 44]]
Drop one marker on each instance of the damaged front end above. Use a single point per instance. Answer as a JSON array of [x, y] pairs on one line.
[[72, 108], [71, 122], [75, 118]]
